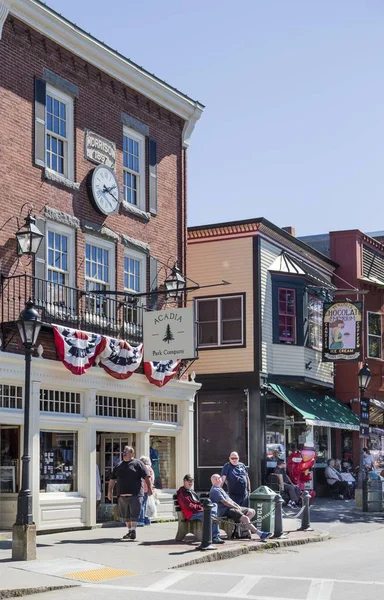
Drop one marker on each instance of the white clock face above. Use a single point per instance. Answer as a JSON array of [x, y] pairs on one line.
[[105, 190]]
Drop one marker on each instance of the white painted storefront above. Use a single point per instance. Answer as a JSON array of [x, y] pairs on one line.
[[92, 414]]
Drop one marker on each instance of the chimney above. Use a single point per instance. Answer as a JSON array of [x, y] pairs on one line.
[[291, 230]]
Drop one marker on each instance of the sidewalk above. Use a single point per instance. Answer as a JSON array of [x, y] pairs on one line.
[[99, 555]]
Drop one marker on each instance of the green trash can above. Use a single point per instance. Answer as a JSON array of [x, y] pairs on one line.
[[262, 501]]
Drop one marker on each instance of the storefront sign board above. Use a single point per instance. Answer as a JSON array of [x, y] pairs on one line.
[[169, 334], [99, 150], [342, 331], [364, 418]]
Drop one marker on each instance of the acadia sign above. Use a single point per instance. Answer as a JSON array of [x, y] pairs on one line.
[[169, 334]]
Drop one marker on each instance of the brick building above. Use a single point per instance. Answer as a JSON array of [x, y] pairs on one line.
[[69, 103]]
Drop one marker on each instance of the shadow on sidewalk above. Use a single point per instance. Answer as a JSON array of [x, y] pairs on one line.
[[325, 510], [97, 541]]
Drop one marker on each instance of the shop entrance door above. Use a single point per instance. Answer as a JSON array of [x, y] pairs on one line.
[[112, 446]]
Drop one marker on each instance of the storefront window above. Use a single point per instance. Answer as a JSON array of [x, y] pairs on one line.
[[58, 461], [222, 427], [9, 459], [162, 455], [321, 444], [275, 440]]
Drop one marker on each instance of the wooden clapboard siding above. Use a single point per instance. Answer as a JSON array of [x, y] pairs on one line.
[[268, 253], [290, 360], [231, 260]]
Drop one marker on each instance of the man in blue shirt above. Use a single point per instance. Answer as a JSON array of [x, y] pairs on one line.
[[228, 508], [235, 475]]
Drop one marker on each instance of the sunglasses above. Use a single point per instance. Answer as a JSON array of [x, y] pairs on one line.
[[234, 458]]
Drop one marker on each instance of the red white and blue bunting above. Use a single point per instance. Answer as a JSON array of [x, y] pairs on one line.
[[159, 373], [77, 350], [119, 359]]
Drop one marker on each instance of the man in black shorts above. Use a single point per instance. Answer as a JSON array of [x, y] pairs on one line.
[[129, 475], [228, 508]]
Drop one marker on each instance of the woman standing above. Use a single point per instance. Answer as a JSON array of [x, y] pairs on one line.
[[235, 475], [144, 520]]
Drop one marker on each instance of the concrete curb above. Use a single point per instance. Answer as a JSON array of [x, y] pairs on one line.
[[33, 590], [223, 554]]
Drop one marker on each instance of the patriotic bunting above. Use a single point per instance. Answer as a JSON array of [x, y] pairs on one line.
[[76, 349], [119, 359], [159, 373]]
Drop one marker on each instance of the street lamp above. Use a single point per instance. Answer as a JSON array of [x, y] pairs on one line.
[[24, 530], [175, 283], [28, 237], [364, 376]]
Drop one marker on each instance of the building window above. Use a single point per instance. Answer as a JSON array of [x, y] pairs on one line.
[[374, 335], [161, 411], [59, 132], [9, 459], [134, 168], [162, 455], [58, 461], [11, 396], [220, 321], [112, 406], [57, 263], [287, 315], [60, 402], [315, 323], [99, 274], [134, 273]]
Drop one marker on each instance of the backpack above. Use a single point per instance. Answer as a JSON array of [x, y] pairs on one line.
[[240, 532]]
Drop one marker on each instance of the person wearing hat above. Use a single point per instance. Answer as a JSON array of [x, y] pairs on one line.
[[192, 508]]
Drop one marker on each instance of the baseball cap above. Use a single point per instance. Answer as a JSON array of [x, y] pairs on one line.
[[188, 477]]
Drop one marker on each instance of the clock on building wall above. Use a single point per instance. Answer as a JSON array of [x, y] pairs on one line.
[[104, 190]]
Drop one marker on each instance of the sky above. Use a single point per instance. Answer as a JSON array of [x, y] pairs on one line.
[[293, 128]]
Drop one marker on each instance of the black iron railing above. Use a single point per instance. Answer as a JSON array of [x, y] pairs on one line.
[[63, 305]]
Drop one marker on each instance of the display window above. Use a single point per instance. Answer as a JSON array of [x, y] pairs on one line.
[[58, 461], [162, 455], [9, 458]]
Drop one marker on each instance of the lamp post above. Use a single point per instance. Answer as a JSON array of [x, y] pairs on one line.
[[364, 377], [24, 530]]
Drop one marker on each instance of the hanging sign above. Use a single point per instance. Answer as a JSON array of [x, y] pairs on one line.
[[342, 331], [364, 418], [169, 335]]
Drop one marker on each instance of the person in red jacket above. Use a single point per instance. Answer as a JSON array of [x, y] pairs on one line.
[[192, 509]]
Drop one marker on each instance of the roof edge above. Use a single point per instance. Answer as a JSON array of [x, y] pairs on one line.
[[273, 227], [53, 25]]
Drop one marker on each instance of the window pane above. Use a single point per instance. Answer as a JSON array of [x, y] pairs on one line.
[[207, 310], [208, 334], [58, 459], [374, 347], [231, 332], [231, 308], [374, 324]]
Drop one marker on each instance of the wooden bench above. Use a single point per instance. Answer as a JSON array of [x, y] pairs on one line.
[[196, 527]]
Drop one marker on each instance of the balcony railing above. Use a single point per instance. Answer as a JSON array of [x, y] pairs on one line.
[[63, 305]]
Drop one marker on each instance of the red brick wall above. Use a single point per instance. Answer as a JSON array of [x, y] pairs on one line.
[[23, 54]]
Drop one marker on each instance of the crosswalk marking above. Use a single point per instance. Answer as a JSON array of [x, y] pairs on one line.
[[169, 580], [243, 586], [320, 590]]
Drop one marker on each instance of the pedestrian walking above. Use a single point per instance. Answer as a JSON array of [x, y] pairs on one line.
[[129, 475], [144, 520], [235, 475]]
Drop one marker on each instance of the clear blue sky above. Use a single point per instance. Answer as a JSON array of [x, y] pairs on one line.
[[294, 91]]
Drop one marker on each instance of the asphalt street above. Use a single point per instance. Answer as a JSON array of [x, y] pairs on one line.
[[347, 568]]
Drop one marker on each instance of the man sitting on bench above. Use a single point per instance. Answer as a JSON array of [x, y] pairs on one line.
[[229, 508], [192, 509], [286, 483]]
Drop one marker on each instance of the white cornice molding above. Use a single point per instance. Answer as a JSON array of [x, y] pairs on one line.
[[52, 25], [4, 10], [53, 374]]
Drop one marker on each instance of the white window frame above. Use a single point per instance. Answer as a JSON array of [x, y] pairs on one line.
[[110, 246], [374, 312], [69, 140], [320, 324], [141, 174], [142, 258], [219, 321], [70, 234]]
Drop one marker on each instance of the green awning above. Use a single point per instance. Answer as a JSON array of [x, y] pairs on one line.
[[317, 409]]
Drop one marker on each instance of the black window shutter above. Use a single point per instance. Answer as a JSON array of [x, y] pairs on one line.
[[152, 163], [40, 95], [152, 281], [40, 262]]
